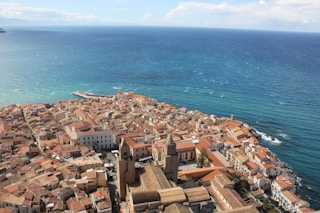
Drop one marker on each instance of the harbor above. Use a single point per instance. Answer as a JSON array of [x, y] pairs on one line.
[[89, 95]]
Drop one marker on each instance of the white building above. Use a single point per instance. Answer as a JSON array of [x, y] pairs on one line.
[[89, 135]]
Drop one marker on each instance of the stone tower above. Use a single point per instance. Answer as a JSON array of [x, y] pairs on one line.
[[170, 159], [126, 170]]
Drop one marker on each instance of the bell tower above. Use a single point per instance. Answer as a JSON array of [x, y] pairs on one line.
[[170, 159], [126, 170]]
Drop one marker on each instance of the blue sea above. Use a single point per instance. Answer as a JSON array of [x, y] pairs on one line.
[[270, 80]]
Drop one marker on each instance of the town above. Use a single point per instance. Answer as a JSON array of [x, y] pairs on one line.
[[129, 153]]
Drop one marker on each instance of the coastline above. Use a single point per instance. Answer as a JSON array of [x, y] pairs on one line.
[[195, 78], [231, 146], [286, 171]]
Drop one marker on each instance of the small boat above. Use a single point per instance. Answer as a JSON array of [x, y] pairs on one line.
[[2, 30]]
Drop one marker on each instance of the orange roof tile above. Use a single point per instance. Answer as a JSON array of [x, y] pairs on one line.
[[185, 145], [199, 172], [252, 165], [134, 144]]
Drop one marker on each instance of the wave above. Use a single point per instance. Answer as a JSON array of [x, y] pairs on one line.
[[269, 138], [117, 88], [298, 181], [15, 90], [283, 135]]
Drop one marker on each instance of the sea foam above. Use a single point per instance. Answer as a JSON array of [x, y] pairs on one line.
[[267, 137]]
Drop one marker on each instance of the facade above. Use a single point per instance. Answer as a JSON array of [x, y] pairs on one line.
[[238, 158], [138, 149], [101, 201], [90, 136], [290, 201], [17, 202], [186, 151]]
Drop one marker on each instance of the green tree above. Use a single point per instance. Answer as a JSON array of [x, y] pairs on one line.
[[242, 187], [202, 158], [95, 145]]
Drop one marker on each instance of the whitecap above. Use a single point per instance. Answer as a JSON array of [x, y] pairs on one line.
[[281, 102], [221, 96], [186, 89], [117, 88], [283, 135], [298, 180], [266, 137]]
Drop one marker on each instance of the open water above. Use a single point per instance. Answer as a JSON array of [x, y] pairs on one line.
[[270, 80]]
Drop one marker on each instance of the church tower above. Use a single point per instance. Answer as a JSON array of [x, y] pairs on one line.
[[126, 170], [170, 159]]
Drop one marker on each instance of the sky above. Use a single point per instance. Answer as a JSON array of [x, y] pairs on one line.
[[280, 15]]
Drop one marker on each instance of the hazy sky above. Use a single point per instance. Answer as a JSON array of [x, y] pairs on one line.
[[288, 15]]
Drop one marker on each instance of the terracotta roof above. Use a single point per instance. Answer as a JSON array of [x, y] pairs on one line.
[[89, 174], [198, 172], [134, 144], [252, 165], [158, 147], [172, 195], [12, 188], [77, 206], [229, 195], [212, 174], [197, 194], [245, 209], [176, 208], [223, 180], [153, 178], [203, 143], [12, 199], [291, 196], [216, 159], [145, 197], [232, 141], [284, 182], [185, 145], [9, 209]]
